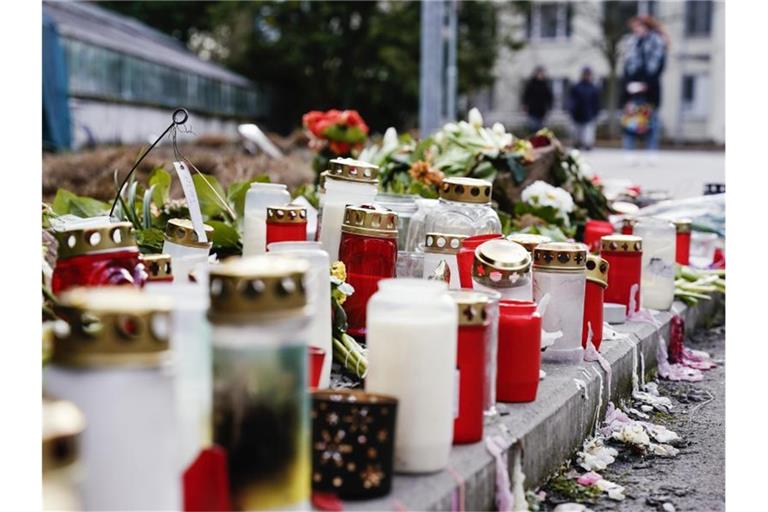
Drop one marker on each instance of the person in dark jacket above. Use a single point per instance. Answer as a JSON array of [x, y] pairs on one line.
[[537, 99], [584, 105]]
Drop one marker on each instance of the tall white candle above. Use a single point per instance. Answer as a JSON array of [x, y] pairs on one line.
[[258, 197], [657, 289]]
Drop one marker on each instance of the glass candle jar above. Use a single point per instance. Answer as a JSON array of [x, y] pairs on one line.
[[466, 256], [349, 182], [505, 267], [114, 364], [658, 278], [369, 251], [559, 272], [286, 224], [353, 443], [470, 364], [464, 208], [628, 225], [624, 255], [417, 227], [703, 249], [318, 283], [410, 264], [442, 247], [594, 230], [597, 282], [519, 354], [182, 244], [683, 241], [99, 255], [158, 268], [63, 425], [258, 316], [491, 347], [404, 205], [257, 199], [529, 240], [412, 338]]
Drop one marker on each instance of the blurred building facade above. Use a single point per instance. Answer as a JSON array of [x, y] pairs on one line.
[[124, 79], [563, 37]]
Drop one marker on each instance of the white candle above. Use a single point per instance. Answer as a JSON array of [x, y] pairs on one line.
[[258, 197], [657, 289]]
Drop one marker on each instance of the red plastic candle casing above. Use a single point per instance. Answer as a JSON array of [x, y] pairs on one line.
[[97, 256], [519, 352], [624, 254], [368, 249], [286, 224], [628, 226], [468, 425], [594, 230], [594, 290], [683, 241], [466, 256]]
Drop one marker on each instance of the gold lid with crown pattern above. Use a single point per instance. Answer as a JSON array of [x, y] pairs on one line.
[[370, 220], [158, 266], [621, 243], [442, 243], [182, 232], [473, 307], [112, 326], [256, 288], [466, 190], [597, 270], [560, 257], [529, 240], [109, 236], [289, 214], [349, 169], [499, 263], [683, 225], [63, 423]]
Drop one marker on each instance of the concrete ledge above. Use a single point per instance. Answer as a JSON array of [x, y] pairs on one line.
[[551, 429]]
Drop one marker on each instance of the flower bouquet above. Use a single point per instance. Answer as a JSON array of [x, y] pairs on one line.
[[332, 134]]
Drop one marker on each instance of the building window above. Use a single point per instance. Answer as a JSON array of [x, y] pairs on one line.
[[550, 21], [560, 91], [695, 95], [698, 18], [620, 12]]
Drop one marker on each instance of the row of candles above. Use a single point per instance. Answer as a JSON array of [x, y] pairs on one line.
[[198, 374]]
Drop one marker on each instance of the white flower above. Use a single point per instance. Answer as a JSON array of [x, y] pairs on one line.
[[390, 142], [451, 127], [475, 118], [498, 129], [346, 289], [541, 193]]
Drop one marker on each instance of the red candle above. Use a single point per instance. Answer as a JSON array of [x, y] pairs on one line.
[[683, 241], [628, 226], [470, 364], [158, 267], [597, 281], [97, 255], [519, 353], [368, 249], [594, 230], [286, 224], [466, 256], [624, 254], [316, 358]]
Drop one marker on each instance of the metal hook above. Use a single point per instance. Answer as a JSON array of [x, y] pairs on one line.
[[177, 112]]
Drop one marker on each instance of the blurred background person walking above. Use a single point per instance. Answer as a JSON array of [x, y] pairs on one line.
[[645, 57], [584, 105], [537, 99]]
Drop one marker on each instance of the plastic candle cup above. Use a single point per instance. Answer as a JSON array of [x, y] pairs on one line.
[[559, 272], [529, 240], [286, 224], [349, 182], [658, 276], [441, 247], [466, 256], [412, 340], [683, 241], [257, 199], [628, 225], [258, 316], [369, 251], [410, 264], [505, 267], [624, 255], [158, 267], [114, 363], [99, 255], [405, 206], [491, 345], [519, 354], [182, 244], [597, 282], [594, 230], [414, 238], [63, 425]]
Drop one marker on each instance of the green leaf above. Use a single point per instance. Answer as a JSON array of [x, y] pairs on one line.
[[421, 149], [210, 205], [146, 207], [150, 240], [484, 170], [61, 201], [224, 235], [161, 180], [66, 202], [519, 172]]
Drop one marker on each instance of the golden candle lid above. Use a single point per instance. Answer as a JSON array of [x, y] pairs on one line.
[[63, 423], [473, 307], [597, 270], [621, 243], [182, 232], [466, 190], [289, 214], [443, 243], [112, 326], [529, 240], [321, 181], [370, 220], [683, 225], [349, 169], [256, 288], [158, 266], [499, 263], [560, 256], [105, 237]]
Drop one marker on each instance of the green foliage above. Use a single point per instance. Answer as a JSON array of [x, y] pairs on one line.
[[225, 236], [66, 202], [161, 180], [150, 240], [210, 204]]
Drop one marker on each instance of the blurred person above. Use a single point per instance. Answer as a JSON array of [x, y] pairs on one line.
[[537, 99], [584, 105], [644, 60]]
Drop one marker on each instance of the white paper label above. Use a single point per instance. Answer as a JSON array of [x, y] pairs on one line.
[[188, 186], [456, 378]]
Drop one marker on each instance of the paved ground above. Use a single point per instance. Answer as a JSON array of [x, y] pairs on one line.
[[682, 173]]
